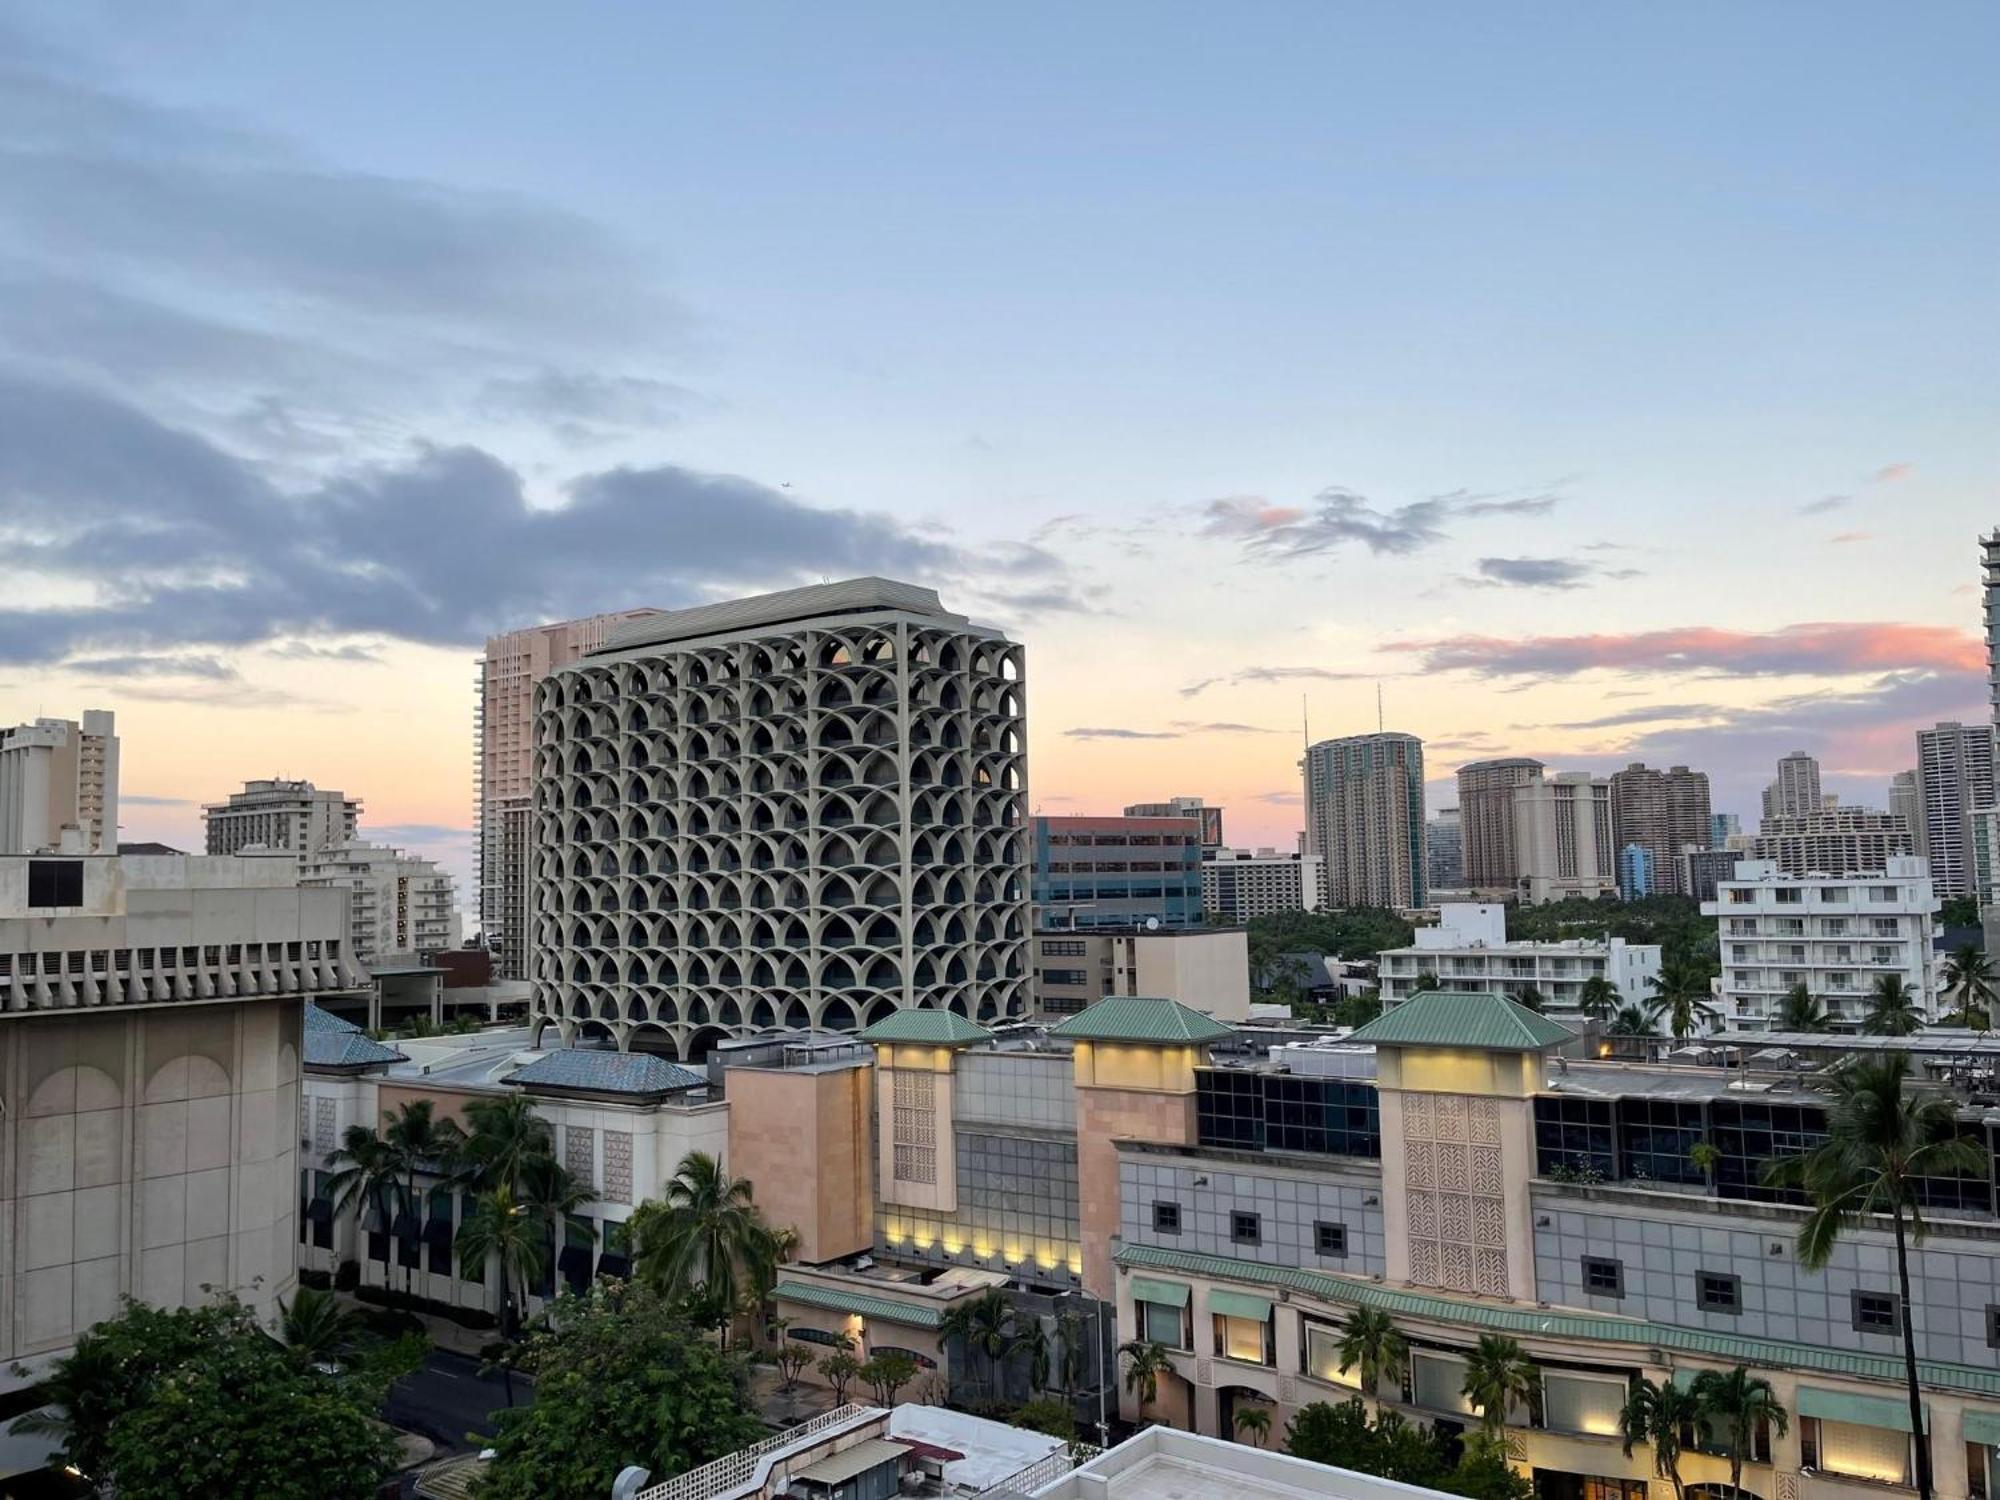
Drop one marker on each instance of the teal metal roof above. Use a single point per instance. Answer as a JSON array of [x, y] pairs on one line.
[[1500, 1318], [861, 1304], [1141, 1018], [923, 1026], [1445, 1018]]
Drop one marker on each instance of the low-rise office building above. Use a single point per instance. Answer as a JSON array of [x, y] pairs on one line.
[[1209, 966], [1117, 872], [1468, 949]]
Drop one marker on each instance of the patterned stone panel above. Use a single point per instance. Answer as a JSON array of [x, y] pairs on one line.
[[1485, 1122], [323, 1124], [580, 1155], [617, 1166], [1454, 1193]]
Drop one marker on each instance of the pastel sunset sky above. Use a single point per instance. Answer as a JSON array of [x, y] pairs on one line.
[[1606, 383]]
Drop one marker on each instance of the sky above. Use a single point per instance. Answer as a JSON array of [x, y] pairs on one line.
[[1603, 384]]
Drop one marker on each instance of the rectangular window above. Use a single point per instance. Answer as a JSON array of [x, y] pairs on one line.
[[55, 882], [1322, 1358], [1437, 1382], [1245, 1339], [1163, 1324], [1603, 1277], [1876, 1312], [1993, 1325], [1167, 1218], [1878, 1453], [1717, 1293], [1330, 1239], [1582, 1403], [914, 1142], [1246, 1228]]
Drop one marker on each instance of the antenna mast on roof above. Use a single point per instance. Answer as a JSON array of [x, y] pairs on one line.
[[1378, 705]]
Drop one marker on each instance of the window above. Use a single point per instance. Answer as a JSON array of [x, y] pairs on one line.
[[1322, 1358], [1246, 1228], [55, 882], [1246, 1339], [1163, 1323], [820, 1336], [1574, 1138], [1993, 1325], [1878, 1453], [1073, 977], [1330, 1239], [1062, 948], [1438, 1382], [1603, 1277], [1877, 1312], [1575, 1402], [1717, 1293], [1167, 1218]]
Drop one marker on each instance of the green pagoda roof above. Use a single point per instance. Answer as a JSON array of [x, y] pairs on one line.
[[1141, 1018], [1443, 1018], [923, 1026]]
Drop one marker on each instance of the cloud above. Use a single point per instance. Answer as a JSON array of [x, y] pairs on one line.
[[585, 408], [1825, 648], [1891, 473], [416, 833], [211, 668], [1534, 572], [1186, 726], [306, 651], [140, 799], [1277, 799], [1120, 734], [1338, 518], [1654, 713], [1824, 504], [1840, 537], [1276, 674]]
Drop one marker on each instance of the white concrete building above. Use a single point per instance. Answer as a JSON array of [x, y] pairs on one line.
[[295, 817], [1562, 838], [803, 809], [1835, 934], [398, 904], [59, 786], [1955, 775], [1839, 838], [149, 1064], [1239, 884], [1468, 951]]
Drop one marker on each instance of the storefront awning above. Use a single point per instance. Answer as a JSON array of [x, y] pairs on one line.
[[1166, 1293], [1983, 1427], [1892, 1412], [848, 1462], [1239, 1305]]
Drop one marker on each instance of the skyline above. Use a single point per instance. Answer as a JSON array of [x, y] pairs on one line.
[[1607, 389]]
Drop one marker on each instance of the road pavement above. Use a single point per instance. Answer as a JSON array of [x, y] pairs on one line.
[[449, 1398]]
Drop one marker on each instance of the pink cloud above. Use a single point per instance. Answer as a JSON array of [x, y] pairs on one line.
[[1890, 473], [1823, 648], [1851, 536]]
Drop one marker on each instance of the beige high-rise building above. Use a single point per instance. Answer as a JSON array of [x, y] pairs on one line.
[[59, 786], [294, 816], [1955, 778], [1486, 819], [1365, 819], [1562, 838], [504, 769], [1796, 792], [1906, 801], [1665, 813], [397, 903]]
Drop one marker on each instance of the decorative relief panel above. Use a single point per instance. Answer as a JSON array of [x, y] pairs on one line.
[[1453, 1188], [323, 1124], [617, 1166], [580, 1155]]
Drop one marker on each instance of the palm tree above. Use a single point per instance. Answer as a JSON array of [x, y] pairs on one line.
[[552, 1195], [707, 1236], [420, 1142], [1498, 1377], [984, 1325], [1892, 1008], [502, 1226], [315, 1327], [1032, 1340], [1597, 998], [1370, 1340], [1145, 1362], [1426, 982], [1657, 1414], [1801, 1010], [1069, 1362], [366, 1173], [505, 1135], [1969, 979], [1254, 1418], [1631, 1020], [1879, 1140], [1743, 1405], [1531, 997], [1680, 994]]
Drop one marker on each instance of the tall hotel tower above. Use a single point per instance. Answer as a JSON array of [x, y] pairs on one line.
[[1365, 818], [803, 809]]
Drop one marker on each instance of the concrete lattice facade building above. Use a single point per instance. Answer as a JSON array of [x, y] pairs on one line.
[[1834, 841], [806, 808]]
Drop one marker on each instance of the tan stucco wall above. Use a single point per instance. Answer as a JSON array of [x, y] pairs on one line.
[[1103, 1115], [941, 1193], [805, 1141]]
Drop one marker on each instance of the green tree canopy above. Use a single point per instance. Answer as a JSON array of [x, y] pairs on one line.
[[620, 1378]]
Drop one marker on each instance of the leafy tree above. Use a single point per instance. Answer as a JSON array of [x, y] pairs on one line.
[[620, 1378], [887, 1372], [417, 1141], [1597, 997], [1959, 911], [1741, 1404], [552, 1197], [1706, 1156], [1347, 1438], [1532, 997], [1969, 979], [707, 1234], [1656, 1414], [1145, 1361], [316, 1328], [1801, 1010], [1498, 1377], [1673, 922], [1680, 996], [1486, 1472], [1047, 1414], [1371, 1343], [984, 1327], [1070, 1358], [1349, 932], [1631, 1020], [841, 1369], [1031, 1341], [1892, 1008], [1253, 1418], [1426, 982], [201, 1401], [1880, 1139], [502, 1227], [793, 1360], [1357, 1010]]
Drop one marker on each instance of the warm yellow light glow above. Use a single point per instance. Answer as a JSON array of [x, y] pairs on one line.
[[952, 1245], [1076, 1265]]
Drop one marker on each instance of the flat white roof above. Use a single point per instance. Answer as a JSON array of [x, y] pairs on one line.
[[993, 1451], [1163, 1463]]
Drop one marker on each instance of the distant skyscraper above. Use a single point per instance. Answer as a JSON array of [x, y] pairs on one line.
[[295, 816], [1210, 818], [1486, 812], [1562, 838], [1797, 787], [1635, 872], [1365, 818], [1906, 801], [1447, 842], [1955, 778], [504, 770], [1837, 842], [1665, 812], [59, 786], [1989, 555], [1722, 827]]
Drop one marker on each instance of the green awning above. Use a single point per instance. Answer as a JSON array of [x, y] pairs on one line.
[[1239, 1305], [1166, 1293], [1983, 1427], [1892, 1412]]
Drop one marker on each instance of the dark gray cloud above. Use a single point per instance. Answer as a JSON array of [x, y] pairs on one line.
[[1277, 674], [1824, 504], [1535, 572], [1088, 733], [584, 407], [1656, 713], [1337, 518], [210, 668]]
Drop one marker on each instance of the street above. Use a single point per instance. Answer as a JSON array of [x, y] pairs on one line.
[[449, 1398]]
